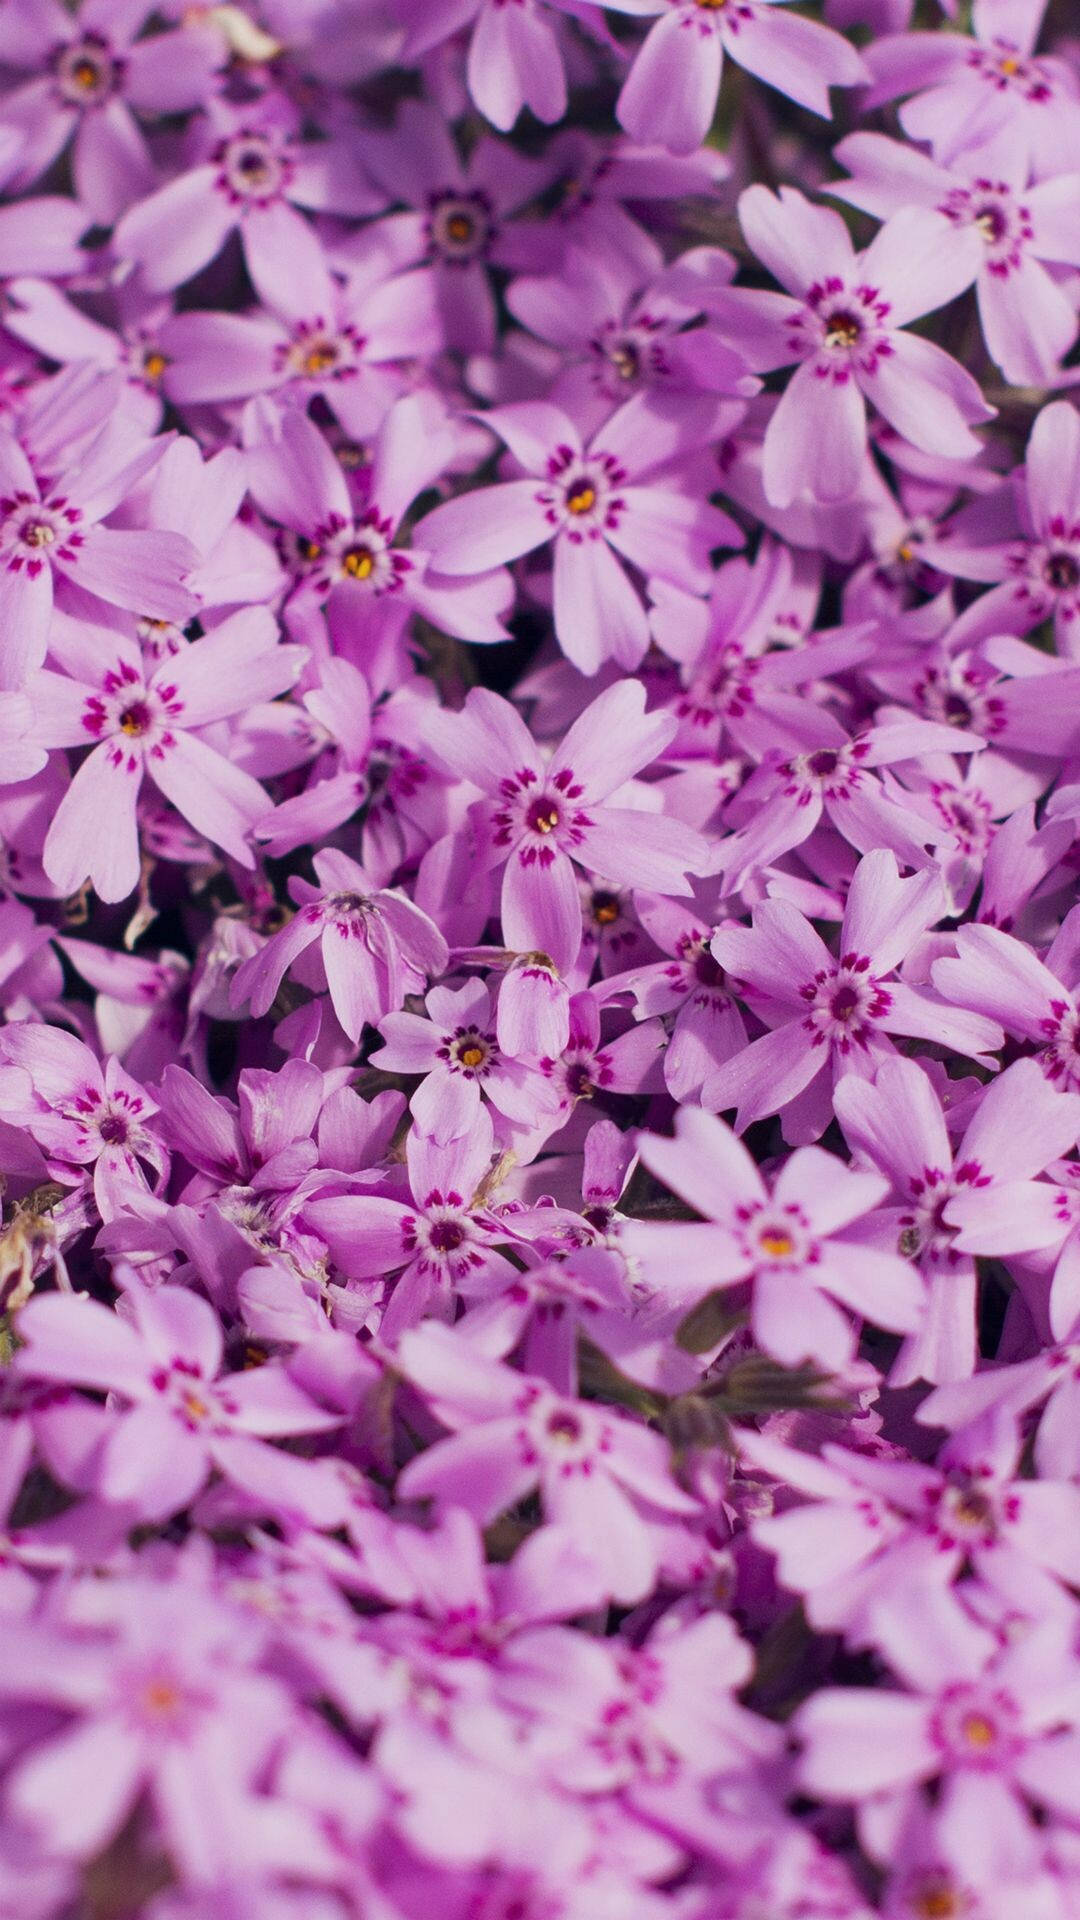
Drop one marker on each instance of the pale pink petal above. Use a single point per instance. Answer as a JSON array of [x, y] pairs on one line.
[[799, 242], [858, 1742], [797, 56], [830, 1194], [598, 612], [219, 799], [816, 440], [928, 397], [670, 95], [483, 529], [481, 1470], [177, 230], [363, 1232], [705, 1164], [152, 1463], [78, 1788], [514, 61], [541, 909], [78, 1340], [1022, 1124], [94, 834]]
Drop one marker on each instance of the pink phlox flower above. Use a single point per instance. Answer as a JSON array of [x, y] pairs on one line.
[[972, 805], [997, 1729], [252, 175], [800, 1247], [1024, 540], [163, 1695], [950, 1205], [140, 1002], [973, 93], [316, 338], [829, 1016], [543, 1309], [745, 657], [437, 1238], [842, 318], [515, 54], [264, 1141], [671, 91], [183, 1416], [591, 183], [1035, 1000], [51, 536], [545, 812], [591, 1067], [599, 502], [370, 757], [1009, 227], [689, 989], [140, 719], [334, 550], [85, 1115], [875, 1525], [595, 1469], [642, 1715], [456, 224], [457, 1050], [834, 778], [618, 337], [96, 72], [374, 945], [48, 320]]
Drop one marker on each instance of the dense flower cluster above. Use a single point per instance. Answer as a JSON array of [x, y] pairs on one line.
[[539, 960]]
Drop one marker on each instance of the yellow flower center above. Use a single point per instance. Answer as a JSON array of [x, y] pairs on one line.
[[938, 1901], [359, 562], [776, 1244], [38, 533], [85, 75], [154, 365], [459, 228], [1009, 66], [472, 1056], [320, 357], [979, 1732], [582, 498], [161, 1697]]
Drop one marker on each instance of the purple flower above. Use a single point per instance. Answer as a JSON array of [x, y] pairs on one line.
[[593, 502], [375, 946], [896, 1123], [139, 720], [842, 319], [96, 72], [509, 1434], [1009, 228], [541, 816], [183, 1415], [354, 555], [798, 1246], [671, 92], [828, 1016], [52, 539]]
